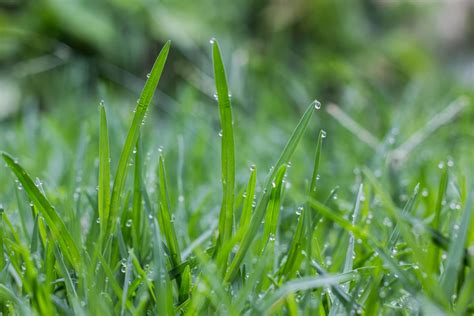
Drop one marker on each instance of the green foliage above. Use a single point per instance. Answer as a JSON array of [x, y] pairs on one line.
[[175, 240]]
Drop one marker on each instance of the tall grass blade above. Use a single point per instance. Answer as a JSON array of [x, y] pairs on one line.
[[226, 217], [259, 212], [132, 136], [54, 221], [104, 172]]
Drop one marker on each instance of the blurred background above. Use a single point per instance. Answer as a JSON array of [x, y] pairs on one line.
[[383, 71]]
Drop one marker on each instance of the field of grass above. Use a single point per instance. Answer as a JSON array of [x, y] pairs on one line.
[[305, 187]]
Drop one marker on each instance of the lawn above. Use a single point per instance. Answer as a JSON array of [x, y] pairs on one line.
[[288, 169]]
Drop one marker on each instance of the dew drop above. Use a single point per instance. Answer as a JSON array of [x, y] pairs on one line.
[[299, 210], [129, 223], [323, 133], [317, 104], [220, 133], [212, 41]]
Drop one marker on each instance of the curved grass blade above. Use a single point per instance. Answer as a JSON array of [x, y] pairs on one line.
[[259, 212], [226, 217], [269, 303], [132, 136], [104, 172], [54, 221]]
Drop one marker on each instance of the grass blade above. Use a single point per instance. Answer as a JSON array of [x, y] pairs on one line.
[[104, 172], [54, 221], [164, 218], [303, 284], [132, 136], [228, 151], [264, 198], [273, 210], [456, 251], [248, 200]]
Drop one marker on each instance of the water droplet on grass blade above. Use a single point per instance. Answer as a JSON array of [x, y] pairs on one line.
[[323, 133], [129, 223], [317, 104], [212, 41], [299, 210]]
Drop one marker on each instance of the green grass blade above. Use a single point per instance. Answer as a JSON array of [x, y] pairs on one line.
[[165, 218], [132, 136], [54, 221], [434, 251], [295, 249], [456, 251], [273, 210], [303, 284], [228, 151], [259, 212], [104, 172], [317, 161], [248, 200], [2, 257], [338, 308], [466, 295]]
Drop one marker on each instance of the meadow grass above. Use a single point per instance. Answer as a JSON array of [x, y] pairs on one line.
[[129, 248]]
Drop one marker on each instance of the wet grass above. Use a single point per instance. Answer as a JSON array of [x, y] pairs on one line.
[[249, 245]]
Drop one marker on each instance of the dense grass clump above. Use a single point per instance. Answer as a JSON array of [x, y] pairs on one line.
[[266, 248]]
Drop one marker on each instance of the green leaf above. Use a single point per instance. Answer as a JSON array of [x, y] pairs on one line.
[[273, 210], [248, 200], [132, 136], [226, 217], [302, 284], [104, 172], [164, 218], [54, 221], [455, 256], [259, 212]]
